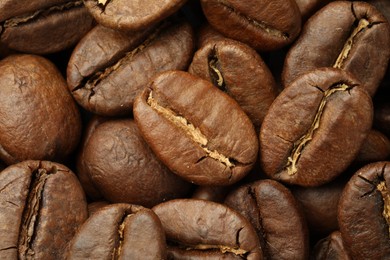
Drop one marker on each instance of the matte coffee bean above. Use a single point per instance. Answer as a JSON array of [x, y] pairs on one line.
[[42, 205], [39, 119], [364, 212], [331, 247], [239, 71], [199, 229], [315, 128], [120, 231], [383, 6], [261, 24], [108, 69], [195, 129], [49, 26], [353, 36], [96, 206], [276, 216], [128, 15]]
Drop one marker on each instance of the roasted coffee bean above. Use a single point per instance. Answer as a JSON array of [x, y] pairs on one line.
[[309, 7], [376, 147], [39, 119], [200, 229], [42, 205], [207, 33], [120, 231], [264, 25], [276, 216], [42, 26], [330, 248], [96, 206], [383, 6], [211, 193], [108, 69], [315, 128], [239, 71], [364, 212], [128, 15], [353, 36], [123, 168], [197, 130]]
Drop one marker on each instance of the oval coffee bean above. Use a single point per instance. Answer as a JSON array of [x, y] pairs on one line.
[[315, 127], [364, 212], [353, 36], [195, 129], [276, 216], [128, 15], [330, 248], [49, 26], [39, 119], [42, 205], [239, 71], [108, 69], [119, 231], [261, 24], [199, 229]]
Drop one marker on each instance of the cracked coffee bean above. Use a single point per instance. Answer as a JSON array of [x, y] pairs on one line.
[[239, 71], [195, 129], [264, 25], [119, 231], [330, 248], [353, 36], [129, 15], [315, 128], [42, 26], [200, 229], [276, 216], [364, 212], [108, 69], [42, 205], [39, 119]]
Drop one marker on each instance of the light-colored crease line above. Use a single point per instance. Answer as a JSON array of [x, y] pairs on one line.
[[382, 188]]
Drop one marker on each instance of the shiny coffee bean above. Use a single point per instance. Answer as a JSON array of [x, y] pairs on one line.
[[195, 129], [200, 229], [119, 231], [364, 212], [42, 26], [42, 205], [353, 36], [330, 248], [39, 119], [315, 128]]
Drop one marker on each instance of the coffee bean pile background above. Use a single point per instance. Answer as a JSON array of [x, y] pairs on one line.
[[199, 129]]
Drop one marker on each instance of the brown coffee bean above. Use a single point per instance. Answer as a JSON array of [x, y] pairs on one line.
[[108, 69], [195, 129], [199, 229], [309, 7], [239, 71], [353, 36], [330, 248], [127, 15], [41, 207], [96, 206], [123, 168], [383, 6], [120, 231], [376, 147], [261, 24], [315, 128], [39, 119], [276, 216], [211, 193], [364, 212], [43, 26]]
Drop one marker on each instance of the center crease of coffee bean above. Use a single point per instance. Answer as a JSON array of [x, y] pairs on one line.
[[30, 213], [221, 248], [259, 24], [386, 201], [214, 71], [118, 249], [300, 144], [195, 134]]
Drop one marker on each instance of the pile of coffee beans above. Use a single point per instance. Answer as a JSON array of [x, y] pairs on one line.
[[198, 129]]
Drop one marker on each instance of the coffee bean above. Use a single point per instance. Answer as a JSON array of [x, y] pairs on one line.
[[108, 69], [195, 129], [49, 26], [364, 216], [41, 207], [315, 127], [376, 147], [276, 216], [331, 247], [39, 118], [260, 24], [309, 7], [119, 231], [211, 193], [353, 36], [199, 229]]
